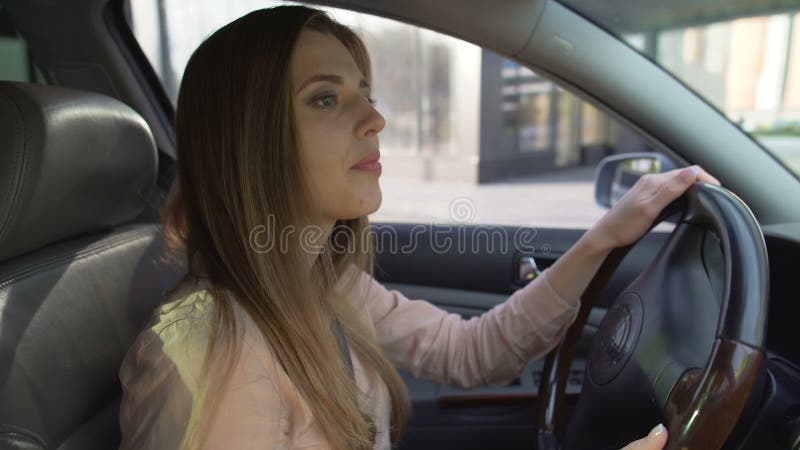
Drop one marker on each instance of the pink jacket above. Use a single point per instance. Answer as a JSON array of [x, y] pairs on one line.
[[261, 408]]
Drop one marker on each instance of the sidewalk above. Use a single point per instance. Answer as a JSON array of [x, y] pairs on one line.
[[563, 199]]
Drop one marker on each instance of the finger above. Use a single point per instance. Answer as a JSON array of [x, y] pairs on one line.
[[677, 181], [653, 441], [673, 184], [649, 184], [697, 174], [702, 175]]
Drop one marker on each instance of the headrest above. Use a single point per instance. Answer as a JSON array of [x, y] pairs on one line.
[[71, 162]]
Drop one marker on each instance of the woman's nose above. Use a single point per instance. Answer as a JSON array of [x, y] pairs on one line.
[[371, 122]]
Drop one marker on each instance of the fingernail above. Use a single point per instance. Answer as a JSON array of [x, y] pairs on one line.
[[694, 169], [658, 430]]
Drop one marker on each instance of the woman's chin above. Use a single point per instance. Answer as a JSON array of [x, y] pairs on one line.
[[366, 205], [368, 211]]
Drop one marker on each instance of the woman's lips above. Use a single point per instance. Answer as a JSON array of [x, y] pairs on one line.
[[369, 163], [374, 167]]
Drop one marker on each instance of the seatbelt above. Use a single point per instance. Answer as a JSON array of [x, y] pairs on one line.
[[344, 350]]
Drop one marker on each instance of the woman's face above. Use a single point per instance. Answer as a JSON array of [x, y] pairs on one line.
[[337, 128]]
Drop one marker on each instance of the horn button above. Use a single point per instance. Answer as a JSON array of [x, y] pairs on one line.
[[616, 339]]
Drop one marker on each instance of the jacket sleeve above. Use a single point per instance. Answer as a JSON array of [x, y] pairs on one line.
[[492, 349], [163, 392]]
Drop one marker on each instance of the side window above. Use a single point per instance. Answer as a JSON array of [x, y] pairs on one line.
[[471, 137], [15, 61], [748, 66]]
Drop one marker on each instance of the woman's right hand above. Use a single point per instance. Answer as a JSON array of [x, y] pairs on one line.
[[653, 441]]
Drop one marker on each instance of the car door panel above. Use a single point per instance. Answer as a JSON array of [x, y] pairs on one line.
[[470, 283]]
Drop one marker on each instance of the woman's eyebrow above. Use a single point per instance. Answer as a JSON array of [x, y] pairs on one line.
[[335, 79]]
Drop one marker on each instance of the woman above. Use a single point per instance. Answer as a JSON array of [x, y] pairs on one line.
[[277, 140]]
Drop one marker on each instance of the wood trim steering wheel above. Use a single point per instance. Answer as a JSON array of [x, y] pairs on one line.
[[657, 356]]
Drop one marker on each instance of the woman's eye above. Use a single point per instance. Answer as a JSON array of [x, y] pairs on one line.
[[331, 100], [327, 101]]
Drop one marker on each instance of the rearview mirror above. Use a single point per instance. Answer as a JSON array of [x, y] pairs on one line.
[[616, 174]]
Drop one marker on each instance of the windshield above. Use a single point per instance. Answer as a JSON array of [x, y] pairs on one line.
[[742, 56]]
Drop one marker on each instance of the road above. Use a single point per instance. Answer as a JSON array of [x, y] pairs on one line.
[[564, 199]]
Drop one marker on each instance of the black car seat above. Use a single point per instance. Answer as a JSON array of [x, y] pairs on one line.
[[77, 279]]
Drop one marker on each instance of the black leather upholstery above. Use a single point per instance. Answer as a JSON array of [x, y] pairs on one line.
[[76, 282], [71, 162]]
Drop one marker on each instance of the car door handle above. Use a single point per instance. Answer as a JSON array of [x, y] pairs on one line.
[[528, 270]]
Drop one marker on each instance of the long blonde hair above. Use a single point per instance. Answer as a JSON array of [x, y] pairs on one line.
[[238, 164]]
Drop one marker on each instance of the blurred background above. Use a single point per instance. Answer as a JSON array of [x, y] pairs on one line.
[[466, 123]]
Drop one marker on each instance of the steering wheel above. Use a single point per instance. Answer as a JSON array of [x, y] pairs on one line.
[[681, 345]]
